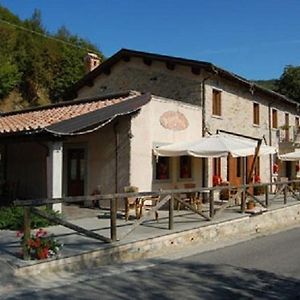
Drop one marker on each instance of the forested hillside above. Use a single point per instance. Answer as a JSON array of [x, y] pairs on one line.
[[37, 68], [268, 84]]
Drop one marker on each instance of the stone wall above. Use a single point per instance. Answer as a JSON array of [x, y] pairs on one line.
[[183, 85]]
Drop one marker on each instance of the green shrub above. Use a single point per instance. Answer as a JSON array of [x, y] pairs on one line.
[[12, 218]]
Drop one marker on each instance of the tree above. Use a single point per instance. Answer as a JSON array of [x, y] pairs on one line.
[[9, 77], [36, 64], [289, 83], [35, 22]]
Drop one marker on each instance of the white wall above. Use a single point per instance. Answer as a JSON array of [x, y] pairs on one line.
[[147, 130]]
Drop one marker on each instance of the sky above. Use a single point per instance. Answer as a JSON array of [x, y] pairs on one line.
[[255, 39]]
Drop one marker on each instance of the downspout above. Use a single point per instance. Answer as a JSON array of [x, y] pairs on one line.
[[270, 143], [117, 142], [203, 104]]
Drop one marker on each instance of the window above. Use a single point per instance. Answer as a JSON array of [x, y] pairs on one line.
[[256, 113], [216, 171], [216, 103], [287, 126], [162, 171], [217, 166], [185, 166], [238, 167], [297, 122], [274, 119]]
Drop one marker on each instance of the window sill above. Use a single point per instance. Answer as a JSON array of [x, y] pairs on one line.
[[162, 180], [217, 117], [185, 179], [256, 125]]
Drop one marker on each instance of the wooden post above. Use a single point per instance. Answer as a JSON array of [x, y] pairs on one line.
[[113, 219], [171, 213], [243, 200], [211, 204], [285, 194], [249, 177], [267, 195], [27, 231]]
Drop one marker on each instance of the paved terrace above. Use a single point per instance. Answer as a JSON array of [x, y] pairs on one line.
[[98, 220]]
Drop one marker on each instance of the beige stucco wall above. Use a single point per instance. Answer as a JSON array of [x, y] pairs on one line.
[[147, 130], [101, 157], [26, 169]]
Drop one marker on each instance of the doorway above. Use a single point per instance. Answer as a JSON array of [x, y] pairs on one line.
[[235, 169], [76, 171]]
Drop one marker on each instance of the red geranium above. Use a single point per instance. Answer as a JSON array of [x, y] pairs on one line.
[[217, 180], [257, 179], [275, 168], [40, 245]]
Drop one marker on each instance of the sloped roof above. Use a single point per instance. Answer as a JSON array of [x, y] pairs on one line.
[[125, 54], [68, 117]]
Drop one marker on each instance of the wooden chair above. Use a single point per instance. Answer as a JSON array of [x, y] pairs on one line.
[[278, 181], [149, 203], [132, 202], [191, 198]]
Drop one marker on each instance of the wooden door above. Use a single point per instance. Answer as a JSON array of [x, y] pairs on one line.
[[76, 165], [234, 170]]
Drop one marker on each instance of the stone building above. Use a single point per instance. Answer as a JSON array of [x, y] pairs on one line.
[[227, 102], [103, 139]]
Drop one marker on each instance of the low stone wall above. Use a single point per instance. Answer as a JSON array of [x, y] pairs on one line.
[[246, 226]]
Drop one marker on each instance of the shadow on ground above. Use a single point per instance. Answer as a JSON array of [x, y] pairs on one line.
[[170, 280]]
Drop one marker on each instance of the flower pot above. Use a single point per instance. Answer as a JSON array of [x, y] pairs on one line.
[[250, 204]]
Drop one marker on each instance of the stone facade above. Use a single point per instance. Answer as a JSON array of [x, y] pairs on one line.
[[182, 84]]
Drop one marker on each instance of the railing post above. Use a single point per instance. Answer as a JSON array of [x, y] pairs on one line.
[[243, 200], [113, 219], [27, 231], [211, 204], [171, 212], [285, 194], [267, 195]]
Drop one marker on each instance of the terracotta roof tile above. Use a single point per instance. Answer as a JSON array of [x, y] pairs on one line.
[[29, 120]]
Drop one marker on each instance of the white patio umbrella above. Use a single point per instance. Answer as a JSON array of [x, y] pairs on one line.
[[291, 156], [216, 145]]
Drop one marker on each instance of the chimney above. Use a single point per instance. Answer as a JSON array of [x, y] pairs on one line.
[[91, 62]]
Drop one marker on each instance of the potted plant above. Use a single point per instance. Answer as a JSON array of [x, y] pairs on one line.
[[258, 190], [250, 204], [40, 245]]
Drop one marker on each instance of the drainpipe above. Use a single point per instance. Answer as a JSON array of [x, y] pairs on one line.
[[203, 104], [117, 142], [270, 143]]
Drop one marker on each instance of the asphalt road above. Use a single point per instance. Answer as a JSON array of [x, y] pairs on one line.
[[262, 268]]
